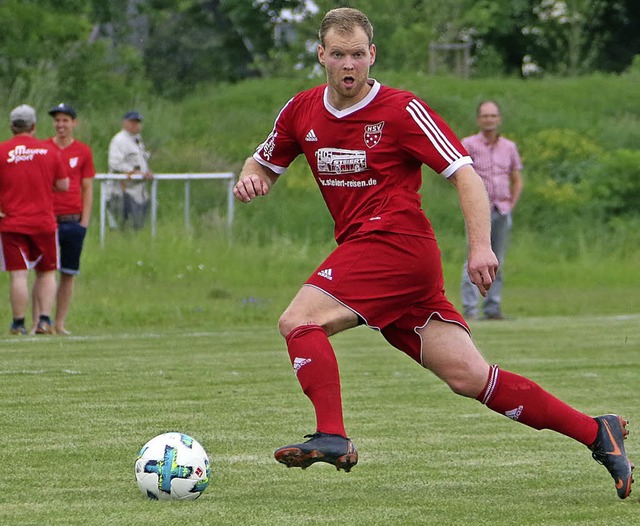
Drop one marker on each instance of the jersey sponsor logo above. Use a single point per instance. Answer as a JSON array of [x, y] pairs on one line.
[[21, 153], [269, 145], [514, 414], [326, 273], [311, 136], [339, 161], [73, 162], [299, 363], [346, 183], [373, 134]]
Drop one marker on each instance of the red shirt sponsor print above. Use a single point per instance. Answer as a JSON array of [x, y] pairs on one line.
[[366, 159]]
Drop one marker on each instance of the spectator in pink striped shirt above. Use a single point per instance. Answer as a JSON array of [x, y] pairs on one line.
[[497, 161]]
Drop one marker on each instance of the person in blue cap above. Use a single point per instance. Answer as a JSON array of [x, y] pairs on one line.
[[72, 208], [128, 201]]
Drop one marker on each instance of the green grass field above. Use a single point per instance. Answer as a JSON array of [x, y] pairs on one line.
[[76, 410]]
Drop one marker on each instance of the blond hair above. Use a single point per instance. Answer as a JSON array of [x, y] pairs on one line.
[[345, 20]]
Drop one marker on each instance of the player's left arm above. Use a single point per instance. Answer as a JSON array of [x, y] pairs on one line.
[[515, 177], [515, 186], [86, 189], [474, 203]]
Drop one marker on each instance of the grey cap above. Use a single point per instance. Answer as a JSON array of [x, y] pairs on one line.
[[24, 114]]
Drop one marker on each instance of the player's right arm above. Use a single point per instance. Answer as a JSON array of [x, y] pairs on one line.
[[61, 185], [254, 180], [61, 177], [482, 263]]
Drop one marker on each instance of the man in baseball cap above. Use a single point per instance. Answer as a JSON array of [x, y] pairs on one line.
[[24, 116], [72, 208], [63, 108], [129, 200], [132, 116]]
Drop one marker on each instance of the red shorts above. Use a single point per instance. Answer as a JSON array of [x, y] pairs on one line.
[[29, 251], [393, 282]]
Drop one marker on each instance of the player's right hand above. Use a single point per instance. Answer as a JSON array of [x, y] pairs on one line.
[[249, 187]]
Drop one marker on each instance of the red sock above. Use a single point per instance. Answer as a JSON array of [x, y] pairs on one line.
[[521, 399], [316, 367]]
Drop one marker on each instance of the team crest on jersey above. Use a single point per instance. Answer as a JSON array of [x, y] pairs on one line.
[[373, 134], [73, 162]]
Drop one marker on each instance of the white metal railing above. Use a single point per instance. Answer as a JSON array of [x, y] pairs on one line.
[[186, 177]]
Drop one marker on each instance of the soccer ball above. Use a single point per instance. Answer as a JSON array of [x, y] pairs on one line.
[[172, 466]]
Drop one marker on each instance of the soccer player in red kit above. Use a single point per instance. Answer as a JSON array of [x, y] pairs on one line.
[[72, 208], [365, 144], [30, 171]]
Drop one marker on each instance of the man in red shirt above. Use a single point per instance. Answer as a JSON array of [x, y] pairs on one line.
[[365, 144], [30, 170], [72, 208]]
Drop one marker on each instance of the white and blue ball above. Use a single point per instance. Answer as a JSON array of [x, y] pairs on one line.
[[172, 466]]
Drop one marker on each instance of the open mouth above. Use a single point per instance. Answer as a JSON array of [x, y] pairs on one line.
[[348, 81]]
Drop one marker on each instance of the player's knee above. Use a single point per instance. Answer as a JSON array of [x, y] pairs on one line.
[[463, 387], [290, 321], [286, 324], [468, 382]]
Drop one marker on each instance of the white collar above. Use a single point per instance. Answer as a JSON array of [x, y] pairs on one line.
[[375, 88]]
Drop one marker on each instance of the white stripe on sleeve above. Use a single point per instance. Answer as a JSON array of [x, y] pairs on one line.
[[426, 123]]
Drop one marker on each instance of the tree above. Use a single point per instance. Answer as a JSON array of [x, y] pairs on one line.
[[565, 37], [621, 44], [34, 33], [193, 41]]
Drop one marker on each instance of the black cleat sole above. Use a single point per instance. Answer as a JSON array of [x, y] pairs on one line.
[[294, 457]]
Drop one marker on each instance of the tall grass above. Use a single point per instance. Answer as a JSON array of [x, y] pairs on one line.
[[204, 280]]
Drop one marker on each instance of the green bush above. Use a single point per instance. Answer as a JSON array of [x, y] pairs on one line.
[[615, 182], [556, 194]]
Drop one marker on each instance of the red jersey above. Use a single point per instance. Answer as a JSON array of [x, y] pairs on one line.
[[366, 159], [78, 161], [28, 170]]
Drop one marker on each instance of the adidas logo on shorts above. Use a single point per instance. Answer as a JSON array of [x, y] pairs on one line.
[[326, 273]]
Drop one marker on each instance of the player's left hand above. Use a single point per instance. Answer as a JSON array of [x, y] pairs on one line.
[[482, 267]]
